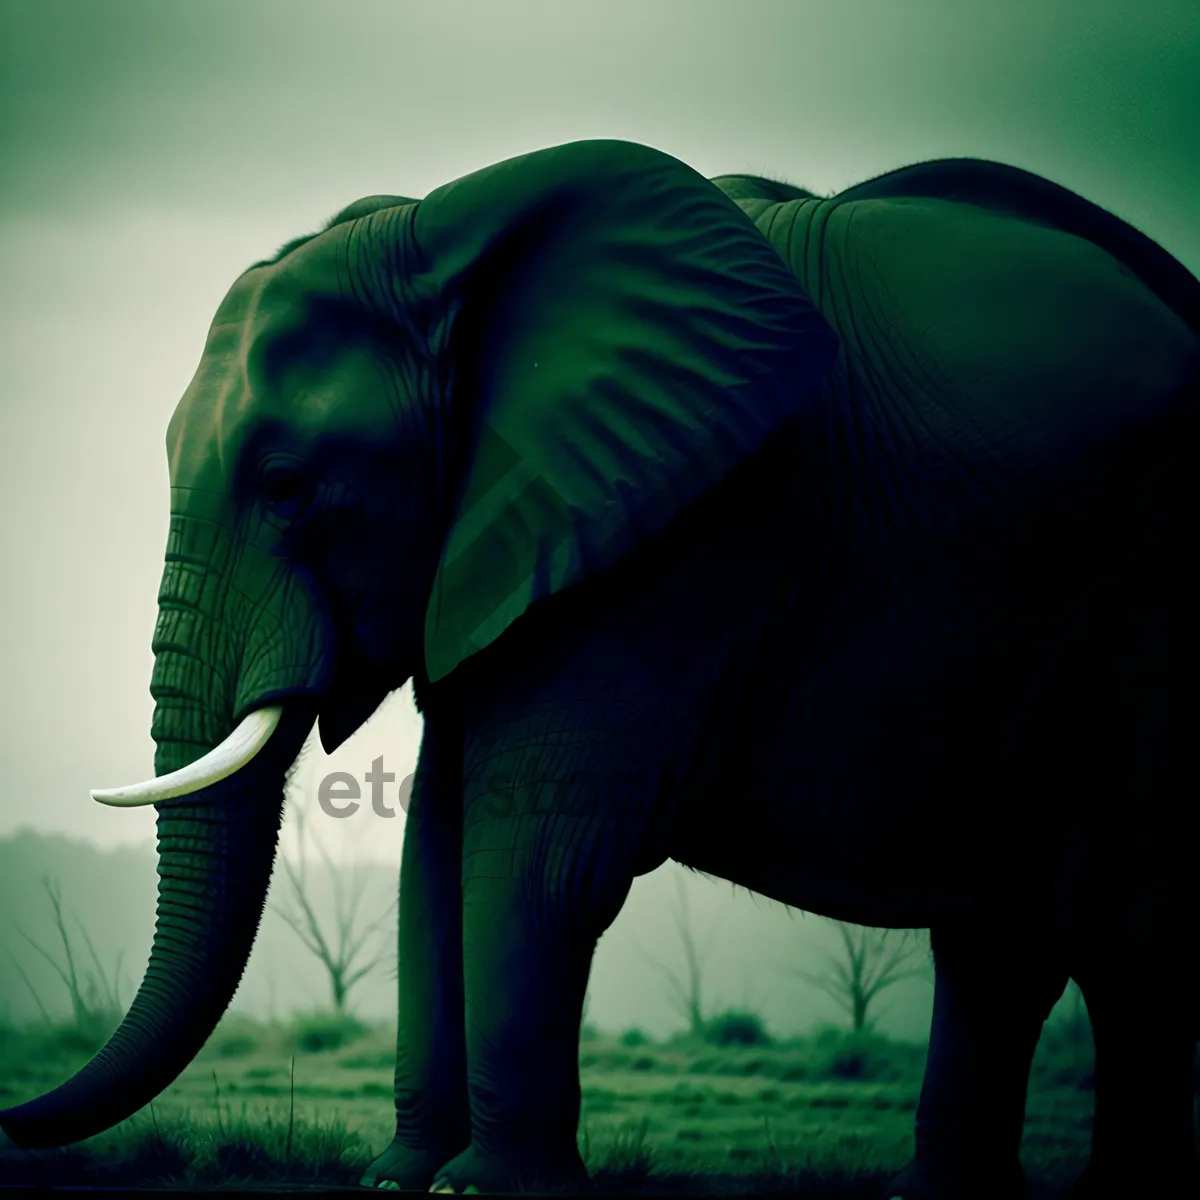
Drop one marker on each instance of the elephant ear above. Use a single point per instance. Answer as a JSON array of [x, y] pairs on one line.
[[623, 336]]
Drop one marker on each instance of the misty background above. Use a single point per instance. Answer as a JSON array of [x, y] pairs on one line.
[[150, 151]]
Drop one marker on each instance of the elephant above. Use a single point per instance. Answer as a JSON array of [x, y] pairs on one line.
[[817, 543]]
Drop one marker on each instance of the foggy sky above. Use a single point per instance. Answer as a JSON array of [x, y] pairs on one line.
[[149, 151]]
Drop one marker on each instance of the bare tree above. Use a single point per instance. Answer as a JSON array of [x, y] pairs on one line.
[[354, 946], [686, 990], [95, 1000], [871, 960]]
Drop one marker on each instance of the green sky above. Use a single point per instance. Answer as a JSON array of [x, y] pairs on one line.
[[151, 149]]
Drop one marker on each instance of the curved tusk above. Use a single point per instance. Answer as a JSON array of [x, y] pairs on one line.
[[219, 763]]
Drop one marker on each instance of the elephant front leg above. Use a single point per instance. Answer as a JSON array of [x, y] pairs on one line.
[[432, 1114], [986, 1022], [537, 893]]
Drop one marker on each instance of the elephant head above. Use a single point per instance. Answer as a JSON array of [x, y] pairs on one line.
[[404, 431]]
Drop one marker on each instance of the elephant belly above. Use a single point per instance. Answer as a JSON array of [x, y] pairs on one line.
[[881, 837], [863, 771], [893, 904], [864, 848]]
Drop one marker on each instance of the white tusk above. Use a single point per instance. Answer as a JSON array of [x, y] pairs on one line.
[[219, 763]]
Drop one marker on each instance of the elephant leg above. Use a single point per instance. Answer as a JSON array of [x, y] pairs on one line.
[[538, 891], [1143, 1136], [432, 1114], [1138, 969], [985, 1028]]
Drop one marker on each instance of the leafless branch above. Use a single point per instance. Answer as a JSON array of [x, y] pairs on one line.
[[871, 960], [686, 991], [340, 946], [95, 995]]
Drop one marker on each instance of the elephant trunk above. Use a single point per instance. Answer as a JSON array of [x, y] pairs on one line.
[[216, 851]]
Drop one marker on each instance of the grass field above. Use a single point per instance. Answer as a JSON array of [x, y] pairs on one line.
[[827, 1115]]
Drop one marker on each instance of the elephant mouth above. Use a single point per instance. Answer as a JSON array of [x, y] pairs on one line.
[[344, 707], [351, 702]]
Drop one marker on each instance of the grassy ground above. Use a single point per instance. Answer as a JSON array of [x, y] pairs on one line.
[[829, 1115]]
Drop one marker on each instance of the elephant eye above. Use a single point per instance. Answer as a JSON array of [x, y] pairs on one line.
[[284, 487]]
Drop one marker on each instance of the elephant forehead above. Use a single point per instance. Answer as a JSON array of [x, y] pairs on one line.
[[267, 322], [202, 428], [221, 369]]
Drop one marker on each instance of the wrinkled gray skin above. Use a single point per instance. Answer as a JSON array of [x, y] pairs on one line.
[[907, 666]]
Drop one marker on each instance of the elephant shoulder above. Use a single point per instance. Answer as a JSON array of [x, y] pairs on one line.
[[1035, 200]]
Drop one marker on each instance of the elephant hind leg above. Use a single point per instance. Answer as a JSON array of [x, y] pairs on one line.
[[1143, 1137], [988, 1013], [1136, 962]]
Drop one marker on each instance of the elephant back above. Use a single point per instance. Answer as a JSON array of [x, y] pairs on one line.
[[1018, 193]]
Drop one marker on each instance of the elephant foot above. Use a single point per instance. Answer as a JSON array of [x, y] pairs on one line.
[[401, 1168], [926, 1180], [1144, 1179], [476, 1170]]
